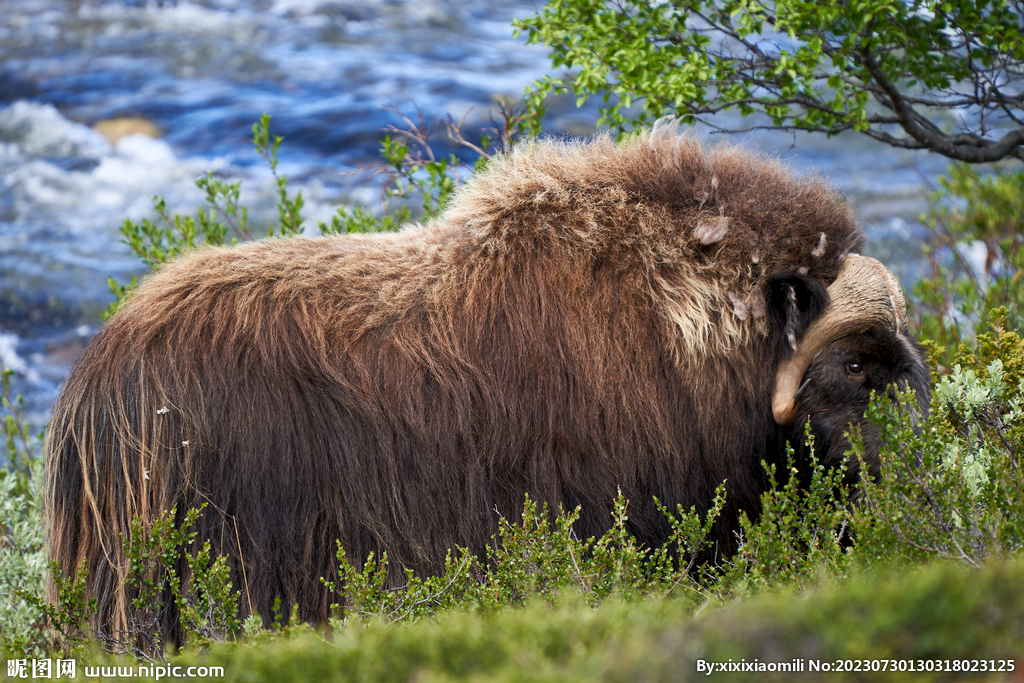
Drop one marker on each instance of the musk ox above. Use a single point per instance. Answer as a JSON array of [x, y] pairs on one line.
[[653, 316]]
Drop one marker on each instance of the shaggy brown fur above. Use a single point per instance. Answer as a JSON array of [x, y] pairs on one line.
[[583, 317]]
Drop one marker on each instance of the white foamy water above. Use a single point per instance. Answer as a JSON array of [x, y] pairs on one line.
[[9, 357], [65, 190]]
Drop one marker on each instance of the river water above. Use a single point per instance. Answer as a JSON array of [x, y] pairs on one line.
[[327, 71]]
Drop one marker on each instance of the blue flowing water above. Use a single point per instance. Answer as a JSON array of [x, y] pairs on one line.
[[327, 71]]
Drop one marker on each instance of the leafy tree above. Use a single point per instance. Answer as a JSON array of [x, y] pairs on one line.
[[942, 75]]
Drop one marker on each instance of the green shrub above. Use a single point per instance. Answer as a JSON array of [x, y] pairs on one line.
[[22, 555], [801, 534], [951, 485], [536, 557], [942, 613], [953, 302], [200, 587]]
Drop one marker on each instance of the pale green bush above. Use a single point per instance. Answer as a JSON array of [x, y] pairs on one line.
[[22, 532]]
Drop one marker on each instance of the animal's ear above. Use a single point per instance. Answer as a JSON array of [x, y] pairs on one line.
[[792, 302]]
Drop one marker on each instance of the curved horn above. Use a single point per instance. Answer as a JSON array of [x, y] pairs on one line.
[[865, 294]]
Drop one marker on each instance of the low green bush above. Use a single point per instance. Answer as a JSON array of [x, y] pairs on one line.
[[23, 572], [935, 617], [951, 485]]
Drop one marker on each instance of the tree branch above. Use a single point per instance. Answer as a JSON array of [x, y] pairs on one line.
[[971, 148]]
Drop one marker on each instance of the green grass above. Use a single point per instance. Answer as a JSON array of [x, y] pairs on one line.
[[941, 612]]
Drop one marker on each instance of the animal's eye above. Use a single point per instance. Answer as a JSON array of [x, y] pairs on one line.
[[854, 368]]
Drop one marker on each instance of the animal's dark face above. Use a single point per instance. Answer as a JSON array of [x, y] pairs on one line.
[[837, 386]]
